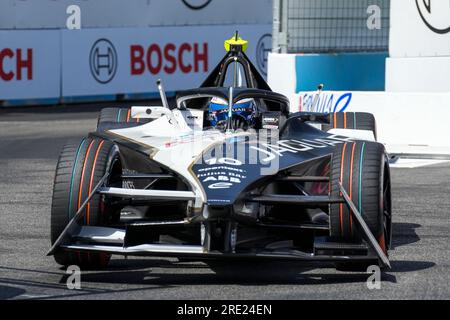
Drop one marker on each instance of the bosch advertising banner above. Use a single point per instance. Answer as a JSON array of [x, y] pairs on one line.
[[419, 28], [29, 64], [130, 60]]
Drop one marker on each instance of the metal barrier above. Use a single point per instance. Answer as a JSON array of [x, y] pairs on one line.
[[330, 26]]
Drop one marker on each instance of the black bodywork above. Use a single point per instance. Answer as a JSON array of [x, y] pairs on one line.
[[281, 213]]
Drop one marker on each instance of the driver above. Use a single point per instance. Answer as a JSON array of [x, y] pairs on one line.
[[243, 114]]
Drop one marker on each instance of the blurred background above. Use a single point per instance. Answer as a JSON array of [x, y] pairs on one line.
[[390, 58], [97, 50]]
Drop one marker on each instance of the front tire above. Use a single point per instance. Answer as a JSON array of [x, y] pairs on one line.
[[363, 170], [79, 169]]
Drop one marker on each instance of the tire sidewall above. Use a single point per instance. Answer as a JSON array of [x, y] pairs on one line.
[[67, 192], [376, 224]]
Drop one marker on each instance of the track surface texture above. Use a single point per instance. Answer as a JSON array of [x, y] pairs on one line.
[[30, 141]]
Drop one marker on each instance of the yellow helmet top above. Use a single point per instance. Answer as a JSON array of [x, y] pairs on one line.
[[235, 41]]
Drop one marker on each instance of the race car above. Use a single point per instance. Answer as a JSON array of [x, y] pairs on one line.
[[227, 172]]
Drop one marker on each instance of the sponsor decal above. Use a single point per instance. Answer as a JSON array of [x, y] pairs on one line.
[[222, 176], [325, 102], [170, 58], [263, 48], [273, 151], [103, 61], [219, 200], [204, 137], [229, 161], [271, 120], [435, 14], [196, 4], [220, 185], [16, 64], [226, 172]]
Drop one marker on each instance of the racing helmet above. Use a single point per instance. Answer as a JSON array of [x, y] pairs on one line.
[[243, 113]]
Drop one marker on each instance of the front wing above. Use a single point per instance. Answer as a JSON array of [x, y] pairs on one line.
[[120, 241]]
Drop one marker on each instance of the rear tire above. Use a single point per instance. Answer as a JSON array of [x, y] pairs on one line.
[[79, 169], [114, 115], [352, 120], [114, 118], [363, 170]]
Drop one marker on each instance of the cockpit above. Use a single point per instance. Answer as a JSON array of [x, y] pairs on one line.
[[235, 95]]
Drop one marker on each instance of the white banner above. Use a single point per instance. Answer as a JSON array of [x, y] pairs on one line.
[[130, 60], [406, 122], [32, 14], [419, 28], [282, 74], [30, 64], [418, 74]]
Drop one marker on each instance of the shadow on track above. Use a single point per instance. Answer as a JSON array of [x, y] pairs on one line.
[[404, 234], [7, 292], [154, 274], [410, 266], [241, 273]]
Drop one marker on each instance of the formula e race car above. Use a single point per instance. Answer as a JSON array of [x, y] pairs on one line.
[[225, 173]]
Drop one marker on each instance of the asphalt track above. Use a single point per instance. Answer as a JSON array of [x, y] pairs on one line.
[[30, 141]]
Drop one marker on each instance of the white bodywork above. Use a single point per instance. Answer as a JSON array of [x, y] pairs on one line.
[[355, 134], [177, 139]]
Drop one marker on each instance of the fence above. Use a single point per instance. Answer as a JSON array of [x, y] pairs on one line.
[[330, 26]]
